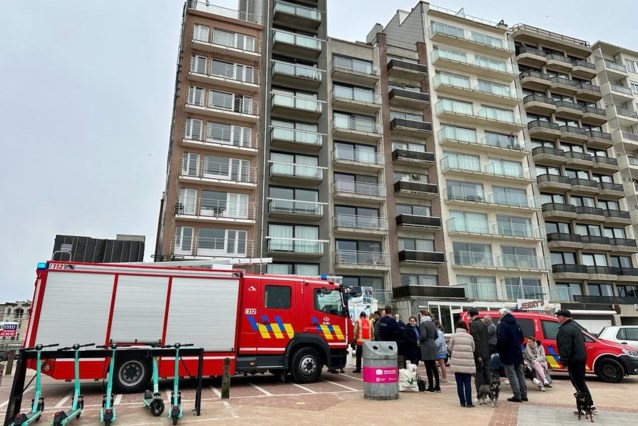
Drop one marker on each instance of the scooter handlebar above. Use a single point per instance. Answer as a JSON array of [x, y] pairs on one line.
[[40, 347], [176, 345], [110, 346]]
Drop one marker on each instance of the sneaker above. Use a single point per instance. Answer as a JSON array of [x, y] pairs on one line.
[[514, 399], [542, 388], [437, 389], [548, 385], [356, 371], [462, 405], [470, 406], [536, 381]]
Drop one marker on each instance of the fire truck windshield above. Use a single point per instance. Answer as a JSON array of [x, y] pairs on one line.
[[329, 301]]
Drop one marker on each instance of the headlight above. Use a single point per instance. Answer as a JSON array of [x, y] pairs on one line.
[[630, 353]]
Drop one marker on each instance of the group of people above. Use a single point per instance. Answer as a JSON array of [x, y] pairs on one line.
[[476, 350]]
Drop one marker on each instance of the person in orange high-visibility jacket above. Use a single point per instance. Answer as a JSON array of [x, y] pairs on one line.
[[362, 332]]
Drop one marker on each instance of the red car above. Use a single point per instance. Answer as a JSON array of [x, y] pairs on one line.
[[608, 360]]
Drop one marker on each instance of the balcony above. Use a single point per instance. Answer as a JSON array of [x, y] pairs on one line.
[[620, 94], [495, 170], [589, 92], [293, 209], [297, 76], [543, 129], [354, 159], [296, 16], [414, 221], [623, 245], [459, 61], [207, 8], [231, 140], [628, 137], [557, 211], [426, 191], [530, 56], [594, 115], [559, 63], [462, 88], [592, 214], [472, 259], [470, 40], [354, 73], [219, 174], [496, 143], [296, 45], [296, 107], [617, 70], [359, 190], [605, 164], [408, 98], [573, 134], [521, 262], [356, 130], [295, 246], [424, 258], [611, 191], [405, 157], [625, 117], [574, 272], [294, 139], [578, 160], [617, 217], [492, 230], [564, 241], [535, 80], [413, 128], [292, 173], [247, 49], [346, 259], [595, 242], [549, 156], [231, 77], [241, 109], [367, 103], [360, 224], [554, 183], [539, 104], [404, 70], [502, 119], [601, 140], [207, 247], [584, 69], [456, 195], [569, 110], [564, 85], [207, 210]]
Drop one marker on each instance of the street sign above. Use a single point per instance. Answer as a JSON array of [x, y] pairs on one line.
[[8, 329]]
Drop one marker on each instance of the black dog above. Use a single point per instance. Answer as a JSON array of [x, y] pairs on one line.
[[495, 389], [583, 406]]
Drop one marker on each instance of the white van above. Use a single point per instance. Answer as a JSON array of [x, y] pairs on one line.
[[625, 334]]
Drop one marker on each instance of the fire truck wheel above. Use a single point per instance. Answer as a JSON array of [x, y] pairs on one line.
[[131, 375], [306, 366]]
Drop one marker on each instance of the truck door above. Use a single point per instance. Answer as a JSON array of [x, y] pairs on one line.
[[250, 291], [325, 314], [274, 319]]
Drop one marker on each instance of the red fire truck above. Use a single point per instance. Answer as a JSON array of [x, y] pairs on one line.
[[282, 324]]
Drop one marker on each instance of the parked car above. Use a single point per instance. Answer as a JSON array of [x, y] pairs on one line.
[[608, 360], [624, 334]]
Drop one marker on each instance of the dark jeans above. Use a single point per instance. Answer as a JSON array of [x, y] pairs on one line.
[[432, 371], [482, 373], [358, 353], [464, 387], [576, 372]]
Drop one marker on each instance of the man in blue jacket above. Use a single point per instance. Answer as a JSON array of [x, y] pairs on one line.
[[509, 338]]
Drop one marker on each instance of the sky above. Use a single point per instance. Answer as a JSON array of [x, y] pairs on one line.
[[86, 105]]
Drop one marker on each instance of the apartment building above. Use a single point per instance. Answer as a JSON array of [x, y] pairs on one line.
[[14, 312], [446, 161]]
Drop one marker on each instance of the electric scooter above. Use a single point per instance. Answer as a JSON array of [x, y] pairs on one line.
[[37, 403], [153, 399], [107, 413], [62, 418], [176, 396]]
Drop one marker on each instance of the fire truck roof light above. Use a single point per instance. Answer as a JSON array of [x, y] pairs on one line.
[[42, 265], [324, 276]]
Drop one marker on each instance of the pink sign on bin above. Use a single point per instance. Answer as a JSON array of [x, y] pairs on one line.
[[380, 374]]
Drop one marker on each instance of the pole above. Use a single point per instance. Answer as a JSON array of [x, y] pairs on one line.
[[198, 393], [226, 379], [15, 397]]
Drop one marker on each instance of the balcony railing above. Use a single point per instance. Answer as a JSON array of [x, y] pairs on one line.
[[567, 104], [399, 64], [296, 40], [611, 186], [297, 136], [526, 49], [543, 125], [553, 178], [198, 246], [296, 10], [361, 258], [626, 112], [518, 261], [619, 214], [595, 211], [417, 125], [356, 67], [302, 208], [218, 171], [538, 98], [475, 227], [599, 135], [606, 160], [564, 81], [207, 208], [295, 170], [564, 237], [358, 156], [241, 15], [421, 256], [461, 57], [458, 194], [295, 245], [512, 292], [404, 186], [230, 72], [360, 222], [539, 150], [361, 97], [550, 207], [472, 259], [411, 220], [614, 66], [469, 36], [296, 102], [578, 156], [588, 109], [588, 86], [357, 125], [295, 70], [584, 64], [574, 129], [359, 188], [629, 136], [534, 74], [620, 89], [560, 58], [491, 169], [404, 154]]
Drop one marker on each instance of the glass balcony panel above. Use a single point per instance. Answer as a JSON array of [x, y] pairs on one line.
[[473, 258]]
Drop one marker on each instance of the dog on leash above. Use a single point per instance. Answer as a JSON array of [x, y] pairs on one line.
[[490, 391], [583, 406]]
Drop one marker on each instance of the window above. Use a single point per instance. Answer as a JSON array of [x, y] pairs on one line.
[[234, 40], [478, 287], [419, 280], [305, 269], [365, 154], [201, 33], [214, 242], [527, 325], [294, 238], [466, 191], [358, 184], [362, 281], [474, 223], [402, 115], [222, 204], [183, 240], [460, 134], [490, 63], [410, 209], [632, 66], [359, 94], [230, 102], [416, 244], [450, 30], [409, 177], [453, 79], [408, 146], [589, 230], [600, 290], [294, 200], [494, 88], [353, 64], [486, 39], [557, 228], [547, 170], [497, 114], [328, 301], [500, 167], [576, 174], [566, 291], [190, 164], [360, 252], [523, 288], [229, 134], [454, 106], [628, 333], [608, 205], [550, 329], [362, 123], [552, 198], [232, 71], [634, 87], [503, 141], [509, 196], [199, 64], [196, 96], [469, 254], [594, 259], [224, 168], [357, 217], [277, 297], [627, 291], [582, 201], [454, 160], [562, 258], [514, 226], [521, 257]]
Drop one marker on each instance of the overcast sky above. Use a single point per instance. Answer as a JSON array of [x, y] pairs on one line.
[[86, 97]]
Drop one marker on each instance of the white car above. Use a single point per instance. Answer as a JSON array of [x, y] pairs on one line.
[[625, 334]]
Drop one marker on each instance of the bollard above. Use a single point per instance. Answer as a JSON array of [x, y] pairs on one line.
[[380, 372], [226, 379], [11, 357]]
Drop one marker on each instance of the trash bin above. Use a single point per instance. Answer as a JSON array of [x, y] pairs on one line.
[[380, 371]]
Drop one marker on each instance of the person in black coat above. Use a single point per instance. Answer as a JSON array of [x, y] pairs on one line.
[[412, 349], [509, 338], [571, 349], [478, 330]]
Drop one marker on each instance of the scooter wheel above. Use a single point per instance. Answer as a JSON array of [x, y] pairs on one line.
[[157, 407], [107, 423], [174, 420]]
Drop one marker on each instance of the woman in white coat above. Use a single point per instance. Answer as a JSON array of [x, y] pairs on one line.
[[461, 347]]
